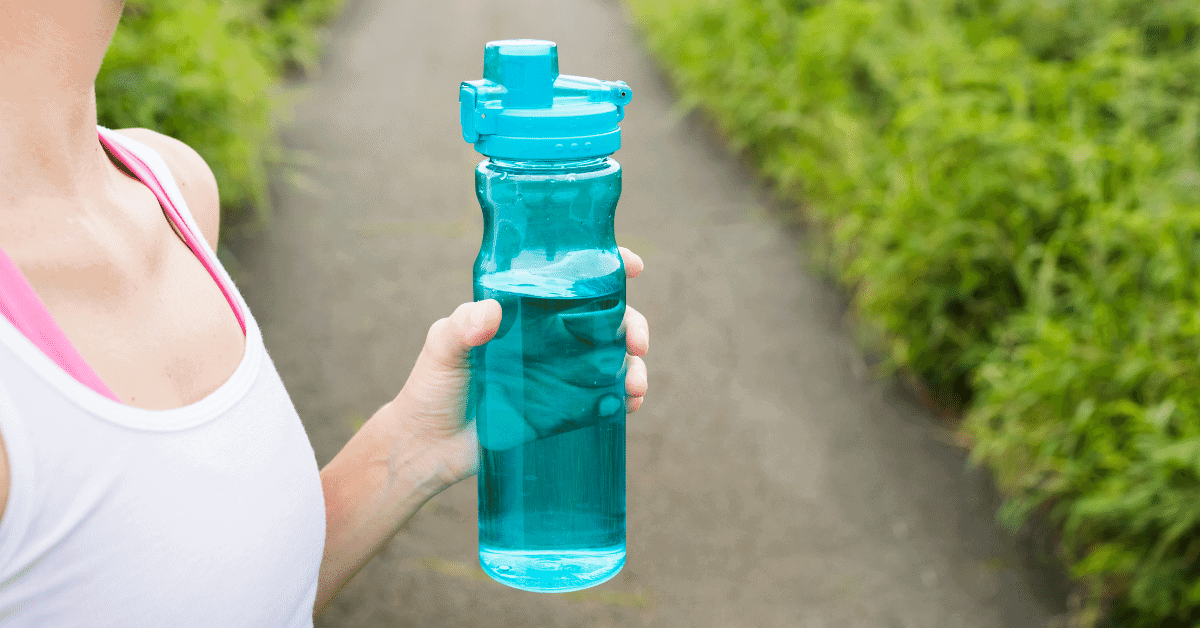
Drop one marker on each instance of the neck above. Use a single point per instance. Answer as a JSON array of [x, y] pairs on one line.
[[50, 155]]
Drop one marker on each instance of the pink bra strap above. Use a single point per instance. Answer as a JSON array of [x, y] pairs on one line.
[[143, 172], [23, 308], [21, 305]]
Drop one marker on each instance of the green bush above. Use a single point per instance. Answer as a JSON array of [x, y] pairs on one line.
[[1011, 189], [204, 72]]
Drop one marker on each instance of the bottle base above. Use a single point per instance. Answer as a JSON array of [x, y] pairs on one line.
[[551, 571]]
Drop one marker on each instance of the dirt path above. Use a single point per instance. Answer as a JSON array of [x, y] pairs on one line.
[[771, 483]]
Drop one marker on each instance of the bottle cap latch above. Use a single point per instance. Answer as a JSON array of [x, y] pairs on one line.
[[524, 109]]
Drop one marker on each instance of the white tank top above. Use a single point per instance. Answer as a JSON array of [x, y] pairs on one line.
[[210, 515]]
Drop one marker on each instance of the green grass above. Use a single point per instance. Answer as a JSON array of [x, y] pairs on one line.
[[1011, 191], [205, 72]]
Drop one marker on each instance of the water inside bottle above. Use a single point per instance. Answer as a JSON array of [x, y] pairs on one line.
[[549, 399]]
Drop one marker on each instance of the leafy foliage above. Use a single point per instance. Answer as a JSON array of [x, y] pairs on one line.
[[1011, 188], [204, 72]]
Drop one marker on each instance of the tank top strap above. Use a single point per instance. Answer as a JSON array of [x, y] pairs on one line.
[[25, 310], [146, 175]]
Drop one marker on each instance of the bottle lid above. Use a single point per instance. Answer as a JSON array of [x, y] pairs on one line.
[[524, 109]]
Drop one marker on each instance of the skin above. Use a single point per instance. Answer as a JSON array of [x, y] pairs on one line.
[[54, 172]]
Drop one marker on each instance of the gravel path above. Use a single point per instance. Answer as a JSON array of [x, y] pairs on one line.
[[771, 482]]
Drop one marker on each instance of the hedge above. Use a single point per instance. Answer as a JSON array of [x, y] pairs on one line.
[[205, 72], [1010, 189]]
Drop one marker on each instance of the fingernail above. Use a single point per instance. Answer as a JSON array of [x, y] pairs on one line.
[[477, 315]]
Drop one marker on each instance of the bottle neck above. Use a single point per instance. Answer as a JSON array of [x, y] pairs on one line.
[[548, 166]]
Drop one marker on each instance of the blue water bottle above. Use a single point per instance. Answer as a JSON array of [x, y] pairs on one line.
[[548, 391]]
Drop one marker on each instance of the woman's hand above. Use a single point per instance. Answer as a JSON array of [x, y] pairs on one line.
[[433, 405]]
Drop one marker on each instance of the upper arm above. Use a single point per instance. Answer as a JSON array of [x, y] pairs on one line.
[[192, 174]]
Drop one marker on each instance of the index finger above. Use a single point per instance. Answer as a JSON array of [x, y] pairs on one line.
[[633, 263]]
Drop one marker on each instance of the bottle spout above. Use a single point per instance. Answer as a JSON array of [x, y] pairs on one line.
[[525, 68]]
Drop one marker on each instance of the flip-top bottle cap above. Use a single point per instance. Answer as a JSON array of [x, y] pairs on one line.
[[524, 109]]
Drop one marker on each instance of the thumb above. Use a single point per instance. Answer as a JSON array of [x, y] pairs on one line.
[[435, 396], [449, 342]]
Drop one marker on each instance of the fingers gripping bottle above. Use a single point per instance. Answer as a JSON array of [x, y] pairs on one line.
[[548, 391]]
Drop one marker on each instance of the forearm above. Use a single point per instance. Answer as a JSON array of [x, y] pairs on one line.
[[372, 487]]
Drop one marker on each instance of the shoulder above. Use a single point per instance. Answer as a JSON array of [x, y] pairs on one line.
[[191, 173]]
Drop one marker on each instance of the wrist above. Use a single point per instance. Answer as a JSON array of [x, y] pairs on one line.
[[411, 457], [372, 487]]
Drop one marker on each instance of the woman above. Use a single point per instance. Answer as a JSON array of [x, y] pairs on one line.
[[154, 471]]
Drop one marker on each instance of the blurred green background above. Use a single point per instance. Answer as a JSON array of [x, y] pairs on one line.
[[1009, 189], [208, 74]]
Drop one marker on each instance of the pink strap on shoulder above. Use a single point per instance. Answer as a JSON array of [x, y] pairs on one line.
[[143, 172], [23, 308], [21, 305]]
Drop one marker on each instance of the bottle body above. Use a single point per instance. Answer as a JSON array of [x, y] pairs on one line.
[[548, 391]]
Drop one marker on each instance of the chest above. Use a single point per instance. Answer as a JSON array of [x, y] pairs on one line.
[[138, 306]]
